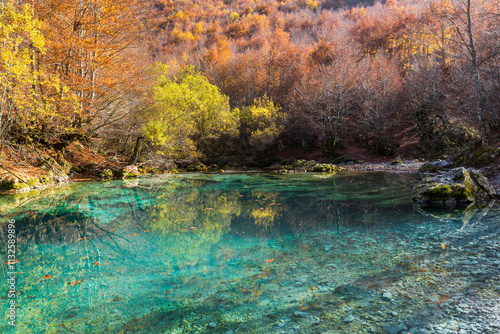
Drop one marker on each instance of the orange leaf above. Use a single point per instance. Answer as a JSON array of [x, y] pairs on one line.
[[11, 261], [135, 234], [270, 260], [207, 209], [47, 276], [97, 264]]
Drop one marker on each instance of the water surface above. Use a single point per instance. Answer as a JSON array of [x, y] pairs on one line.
[[251, 253]]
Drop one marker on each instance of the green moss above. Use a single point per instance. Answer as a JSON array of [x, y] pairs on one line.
[[396, 161], [303, 163], [439, 192], [326, 168], [477, 156], [469, 191], [106, 175], [199, 167], [173, 171], [20, 186], [461, 192]]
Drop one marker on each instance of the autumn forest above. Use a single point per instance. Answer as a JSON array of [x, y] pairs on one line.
[[243, 82]]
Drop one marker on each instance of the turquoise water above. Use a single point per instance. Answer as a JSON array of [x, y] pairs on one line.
[[248, 253]]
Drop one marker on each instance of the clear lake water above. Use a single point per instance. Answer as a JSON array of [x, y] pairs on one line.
[[241, 253]]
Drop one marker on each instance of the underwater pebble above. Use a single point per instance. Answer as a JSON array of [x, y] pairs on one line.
[[395, 329], [349, 318], [387, 296], [299, 314]]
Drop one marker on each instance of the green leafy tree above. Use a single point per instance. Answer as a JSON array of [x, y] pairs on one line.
[[189, 118], [261, 123]]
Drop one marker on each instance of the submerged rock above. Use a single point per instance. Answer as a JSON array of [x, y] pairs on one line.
[[349, 318], [395, 329], [459, 186], [387, 296]]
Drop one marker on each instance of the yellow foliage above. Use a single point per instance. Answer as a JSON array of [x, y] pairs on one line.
[[311, 4]]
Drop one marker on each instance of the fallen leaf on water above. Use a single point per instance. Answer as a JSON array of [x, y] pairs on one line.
[[97, 264], [135, 234], [207, 209], [443, 245], [47, 276], [270, 260], [243, 290], [79, 281], [136, 226], [146, 231], [11, 261], [302, 308]]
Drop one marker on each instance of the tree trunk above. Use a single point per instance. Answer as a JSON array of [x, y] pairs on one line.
[[475, 74], [137, 151]]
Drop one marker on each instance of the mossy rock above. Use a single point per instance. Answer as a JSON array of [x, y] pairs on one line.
[[459, 186], [199, 167], [435, 166], [303, 163], [300, 165], [397, 161], [326, 168], [106, 175], [348, 158], [477, 156]]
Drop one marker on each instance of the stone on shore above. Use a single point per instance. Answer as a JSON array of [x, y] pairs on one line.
[[459, 186]]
